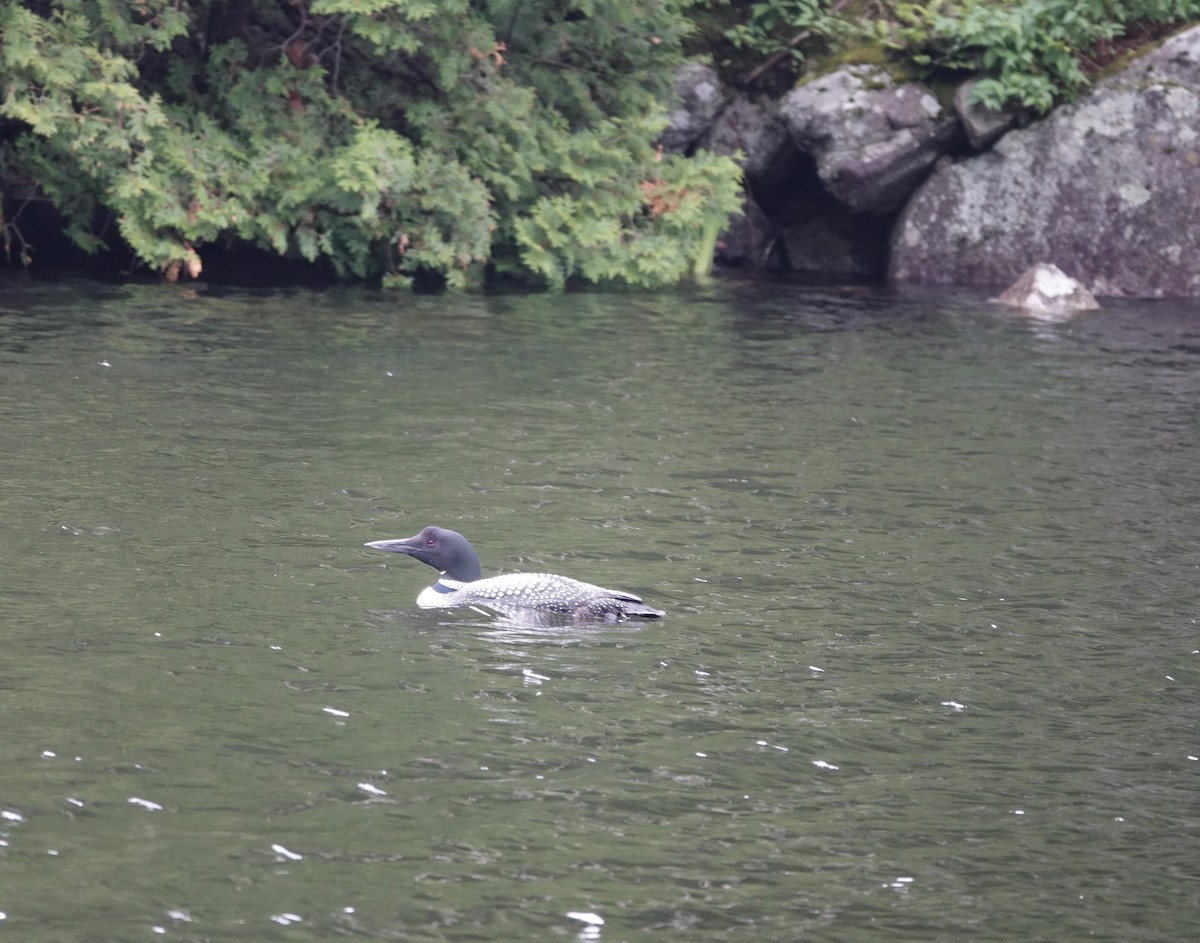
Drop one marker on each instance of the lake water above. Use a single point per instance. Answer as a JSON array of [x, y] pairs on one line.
[[930, 672]]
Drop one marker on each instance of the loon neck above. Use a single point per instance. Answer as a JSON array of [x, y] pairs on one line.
[[439, 594]]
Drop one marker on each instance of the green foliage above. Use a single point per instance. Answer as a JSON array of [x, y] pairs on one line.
[[1031, 53], [1028, 52], [768, 25], [656, 235], [389, 137]]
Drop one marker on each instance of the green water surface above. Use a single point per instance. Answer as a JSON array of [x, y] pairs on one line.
[[930, 672]]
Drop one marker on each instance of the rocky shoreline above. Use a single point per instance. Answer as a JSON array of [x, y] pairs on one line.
[[854, 176]]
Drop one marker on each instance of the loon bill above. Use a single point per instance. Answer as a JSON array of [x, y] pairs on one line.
[[462, 583]]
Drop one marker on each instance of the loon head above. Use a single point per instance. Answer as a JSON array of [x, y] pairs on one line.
[[444, 550]]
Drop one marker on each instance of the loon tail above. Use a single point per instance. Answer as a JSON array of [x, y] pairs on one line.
[[641, 610]]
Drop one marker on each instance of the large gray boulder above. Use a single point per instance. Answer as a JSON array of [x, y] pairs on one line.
[[755, 130], [698, 97], [750, 239], [1107, 188], [873, 141]]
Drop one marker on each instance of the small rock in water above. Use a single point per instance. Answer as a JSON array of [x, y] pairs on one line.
[[1047, 289]]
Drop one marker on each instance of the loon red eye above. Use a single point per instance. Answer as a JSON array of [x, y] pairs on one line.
[[430, 542]]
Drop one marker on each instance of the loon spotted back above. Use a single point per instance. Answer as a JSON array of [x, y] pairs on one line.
[[461, 583]]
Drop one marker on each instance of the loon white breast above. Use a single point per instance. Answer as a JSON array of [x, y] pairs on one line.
[[462, 583]]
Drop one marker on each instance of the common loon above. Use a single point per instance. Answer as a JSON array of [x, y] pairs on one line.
[[461, 583]]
